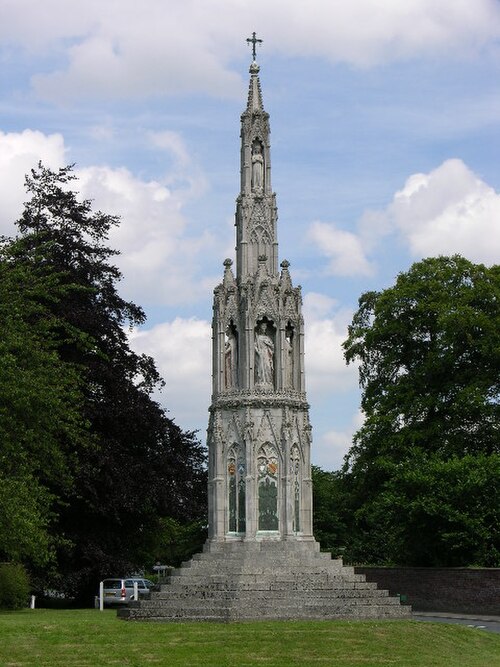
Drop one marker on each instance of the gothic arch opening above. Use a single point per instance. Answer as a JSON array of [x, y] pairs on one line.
[[268, 488], [231, 357], [296, 484], [265, 345], [289, 357], [258, 170], [236, 489]]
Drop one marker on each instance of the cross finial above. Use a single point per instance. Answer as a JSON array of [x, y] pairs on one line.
[[253, 41]]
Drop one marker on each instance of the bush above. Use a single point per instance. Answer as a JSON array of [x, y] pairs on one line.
[[14, 586]]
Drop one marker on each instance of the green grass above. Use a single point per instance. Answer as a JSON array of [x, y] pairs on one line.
[[91, 638]]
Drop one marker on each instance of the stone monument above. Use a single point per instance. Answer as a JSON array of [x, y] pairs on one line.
[[260, 559]]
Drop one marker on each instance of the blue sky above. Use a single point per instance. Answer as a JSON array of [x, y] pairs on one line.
[[385, 136]]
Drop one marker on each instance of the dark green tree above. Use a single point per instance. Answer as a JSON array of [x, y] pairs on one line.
[[329, 508], [41, 425], [429, 354], [141, 466]]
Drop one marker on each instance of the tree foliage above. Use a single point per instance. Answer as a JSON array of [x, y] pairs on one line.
[[421, 465], [41, 424], [116, 464], [14, 586], [329, 509]]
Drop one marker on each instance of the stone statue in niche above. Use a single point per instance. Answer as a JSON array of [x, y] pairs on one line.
[[264, 357], [288, 358], [230, 360], [257, 166]]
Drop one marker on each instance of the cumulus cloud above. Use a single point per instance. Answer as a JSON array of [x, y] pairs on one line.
[[449, 210], [159, 257], [125, 49], [326, 370], [182, 351], [20, 152], [344, 250], [331, 446]]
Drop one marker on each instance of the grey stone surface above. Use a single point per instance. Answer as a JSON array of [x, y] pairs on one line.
[[267, 580], [261, 560], [259, 434]]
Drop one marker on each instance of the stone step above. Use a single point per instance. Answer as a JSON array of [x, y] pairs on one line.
[[271, 580], [267, 604], [263, 567], [223, 614], [294, 587], [256, 594], [253, 574]]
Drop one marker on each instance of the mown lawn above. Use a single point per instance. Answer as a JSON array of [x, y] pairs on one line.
[[91, 638]]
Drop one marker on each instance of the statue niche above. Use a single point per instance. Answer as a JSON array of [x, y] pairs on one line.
[[257, 166], [231, 358], [264, 355], [288, 358]]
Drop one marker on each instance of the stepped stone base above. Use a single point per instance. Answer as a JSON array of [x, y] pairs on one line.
[[243, 581]]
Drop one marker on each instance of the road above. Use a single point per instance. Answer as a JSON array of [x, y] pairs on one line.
[[480, 622]]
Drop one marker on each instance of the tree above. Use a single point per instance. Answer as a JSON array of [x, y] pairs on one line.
[[329, 505], [429, 353], [40, 401], [138, 466]]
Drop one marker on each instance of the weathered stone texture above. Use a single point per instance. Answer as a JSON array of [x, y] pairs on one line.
[[265, 580], [261, 560]]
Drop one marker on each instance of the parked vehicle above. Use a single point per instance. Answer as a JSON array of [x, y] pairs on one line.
[[121, 591]]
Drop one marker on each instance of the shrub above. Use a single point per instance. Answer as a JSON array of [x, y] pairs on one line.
[[14, 586]]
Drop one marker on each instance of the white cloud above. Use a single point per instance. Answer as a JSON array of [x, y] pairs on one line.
[[343, 249], [326, 370], [158, 255], [449, 210], [157, 46], [331, 446], [182, 351], [20, 152]]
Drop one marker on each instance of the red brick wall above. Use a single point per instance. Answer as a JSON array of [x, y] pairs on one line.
[[457, 590]]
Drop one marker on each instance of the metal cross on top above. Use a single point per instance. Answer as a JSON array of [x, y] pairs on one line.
[[253, 41]]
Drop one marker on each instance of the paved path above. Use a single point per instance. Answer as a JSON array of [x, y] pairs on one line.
[[480, 622]]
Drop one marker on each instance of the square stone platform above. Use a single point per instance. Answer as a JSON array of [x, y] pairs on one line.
[[249, 581]]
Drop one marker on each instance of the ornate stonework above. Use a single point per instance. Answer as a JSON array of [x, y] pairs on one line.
[[260, 560], [259, 430]]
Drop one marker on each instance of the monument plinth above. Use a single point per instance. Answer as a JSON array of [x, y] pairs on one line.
[[260, 559]]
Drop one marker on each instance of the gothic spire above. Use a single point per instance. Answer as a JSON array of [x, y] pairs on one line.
[[254, 91], [256, 215]]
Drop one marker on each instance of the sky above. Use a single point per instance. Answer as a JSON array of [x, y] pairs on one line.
[[385, 145]]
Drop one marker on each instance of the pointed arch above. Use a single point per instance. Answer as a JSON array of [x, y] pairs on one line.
[[296, 468], [266, 433], [268, 468], [260, 235], [236, 488]]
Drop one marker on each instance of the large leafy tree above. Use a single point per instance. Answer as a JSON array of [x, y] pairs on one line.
[[139, 466], [429, 355], [41, 425], [329, 509]]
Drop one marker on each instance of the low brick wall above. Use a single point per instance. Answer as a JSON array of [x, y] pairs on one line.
[[456, 590]]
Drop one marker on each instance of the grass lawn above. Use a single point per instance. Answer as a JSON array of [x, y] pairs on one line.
[[87, 637]]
